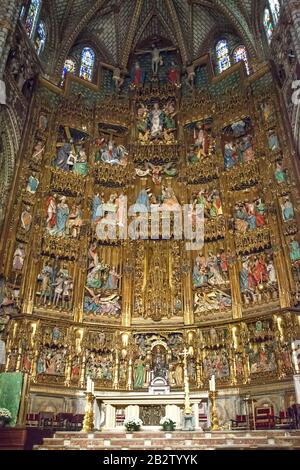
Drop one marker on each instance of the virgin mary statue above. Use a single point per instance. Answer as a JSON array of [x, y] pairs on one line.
[[156, 121]]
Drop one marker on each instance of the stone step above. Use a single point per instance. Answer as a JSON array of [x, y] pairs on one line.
[[193, 448], [175, 440], [191, 439], [184, 435]]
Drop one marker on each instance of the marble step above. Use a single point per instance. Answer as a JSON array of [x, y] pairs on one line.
[[112, 440], [184, 435], [177, 448], [173, 444]]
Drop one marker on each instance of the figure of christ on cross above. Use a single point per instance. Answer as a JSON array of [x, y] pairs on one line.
[[157, 59]]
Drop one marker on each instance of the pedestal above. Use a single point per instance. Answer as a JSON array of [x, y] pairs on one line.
[[188, 422]]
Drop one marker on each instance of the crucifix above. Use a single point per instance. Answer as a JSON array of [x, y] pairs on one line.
[[156, 57], [187, 403]]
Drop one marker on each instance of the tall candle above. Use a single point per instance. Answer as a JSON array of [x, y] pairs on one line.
[[212, 384], [89, 384]]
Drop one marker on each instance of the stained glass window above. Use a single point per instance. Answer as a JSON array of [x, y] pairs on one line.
[[87, 64], [268, 24], [70, 67], [22, 12], [32, 17], [222, 52], [40, 38], [239, 54], [275, 9]]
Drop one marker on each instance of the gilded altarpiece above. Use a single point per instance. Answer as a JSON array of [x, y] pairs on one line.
[[88, 275]]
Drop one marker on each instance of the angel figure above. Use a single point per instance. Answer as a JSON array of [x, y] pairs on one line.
[[117, 78], [143, 172], [156, 171], [191, 75], [118, 75]]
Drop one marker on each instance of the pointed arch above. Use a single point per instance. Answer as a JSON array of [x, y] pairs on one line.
[[179, 35], [146, 22], [73, 32], [131, 32], [239, 23]]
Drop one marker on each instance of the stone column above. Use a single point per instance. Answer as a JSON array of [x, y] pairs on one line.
[[297, 387], [132, 411], [110, 417], [195, 407], [97, 414], [9, 13], [173, 412]]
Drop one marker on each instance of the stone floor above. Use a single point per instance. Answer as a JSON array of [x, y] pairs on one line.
[[179, 440]]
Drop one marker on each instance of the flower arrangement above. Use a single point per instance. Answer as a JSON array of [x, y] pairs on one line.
[[133, 424], [5, 415], [168, 424]]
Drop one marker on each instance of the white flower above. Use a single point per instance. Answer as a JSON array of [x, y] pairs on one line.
[[133, 422], [166, 420], [6, 414]]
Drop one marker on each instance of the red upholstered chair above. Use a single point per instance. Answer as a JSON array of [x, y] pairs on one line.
[[32, 420], [264, 417], [120, 418], [202, 420], [240, 422]]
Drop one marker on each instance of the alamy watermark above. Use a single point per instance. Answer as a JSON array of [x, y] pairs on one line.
[[154, 222]]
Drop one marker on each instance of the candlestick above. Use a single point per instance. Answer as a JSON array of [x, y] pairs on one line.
[[88, 422], [214, 413]]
